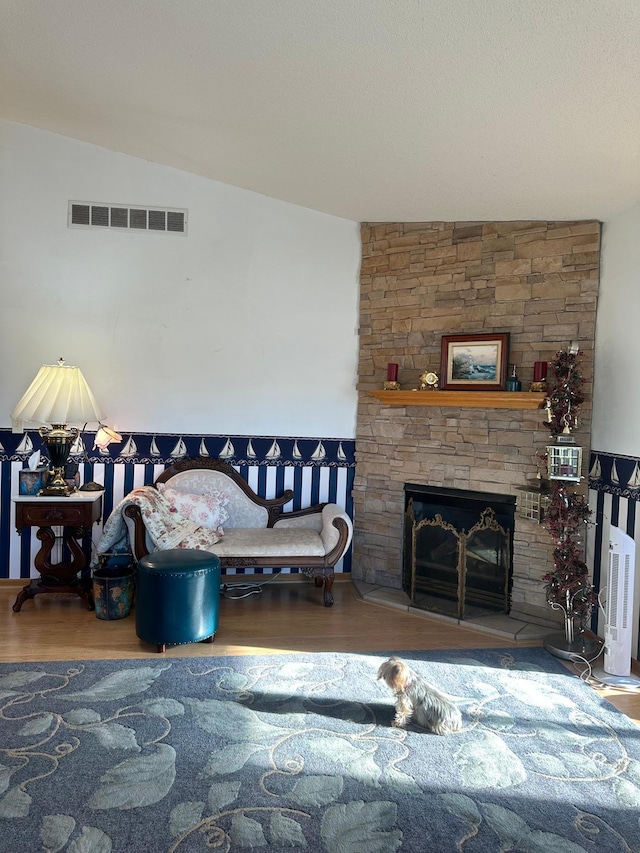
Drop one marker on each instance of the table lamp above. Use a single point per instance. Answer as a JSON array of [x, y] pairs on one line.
[[58, 396], [105, 436]]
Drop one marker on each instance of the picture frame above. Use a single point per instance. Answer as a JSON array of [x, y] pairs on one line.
[[474, 362]]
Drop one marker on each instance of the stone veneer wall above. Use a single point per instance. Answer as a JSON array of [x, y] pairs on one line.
[[419, 281]]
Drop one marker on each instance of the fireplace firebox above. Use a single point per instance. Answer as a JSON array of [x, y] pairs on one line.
[[458, 548]]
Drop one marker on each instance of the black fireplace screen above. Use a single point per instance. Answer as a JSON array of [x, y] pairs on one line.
[[457, 550]]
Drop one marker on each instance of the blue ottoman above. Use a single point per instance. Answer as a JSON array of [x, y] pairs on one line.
[[177, 597]]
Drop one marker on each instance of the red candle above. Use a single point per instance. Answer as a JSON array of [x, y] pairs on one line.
[[540, 371], [392, 372]]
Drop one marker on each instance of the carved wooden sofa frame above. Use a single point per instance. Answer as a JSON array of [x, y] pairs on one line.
[[325, 528]]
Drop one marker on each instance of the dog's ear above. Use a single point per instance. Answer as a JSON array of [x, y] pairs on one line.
[[385, 668], [395, 678], [394, 673]]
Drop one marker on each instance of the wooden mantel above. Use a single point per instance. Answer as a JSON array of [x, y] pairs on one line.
[[463, 399]]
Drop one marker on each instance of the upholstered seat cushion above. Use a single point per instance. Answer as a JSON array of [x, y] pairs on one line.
[[269, 542]]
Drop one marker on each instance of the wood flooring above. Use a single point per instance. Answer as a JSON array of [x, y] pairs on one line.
[[286, 616]]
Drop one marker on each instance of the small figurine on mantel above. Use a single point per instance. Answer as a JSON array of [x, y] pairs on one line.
[[429, 381]]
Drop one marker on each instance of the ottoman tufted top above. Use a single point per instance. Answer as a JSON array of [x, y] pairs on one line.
[[179, 560]]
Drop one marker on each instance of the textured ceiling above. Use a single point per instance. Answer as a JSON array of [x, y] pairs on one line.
[[375, 110]]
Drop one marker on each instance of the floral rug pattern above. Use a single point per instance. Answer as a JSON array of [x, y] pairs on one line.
[[297, 752]]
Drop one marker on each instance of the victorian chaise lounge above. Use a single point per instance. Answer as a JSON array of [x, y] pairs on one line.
[[256, 532]]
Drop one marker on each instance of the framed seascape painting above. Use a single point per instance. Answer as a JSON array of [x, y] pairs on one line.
[[474, 362]]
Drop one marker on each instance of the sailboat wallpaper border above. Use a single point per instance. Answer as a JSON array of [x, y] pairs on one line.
[[167, 447], [316, 469], [615, 474]]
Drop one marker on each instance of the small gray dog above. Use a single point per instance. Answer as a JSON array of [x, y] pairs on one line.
[[415, 697]]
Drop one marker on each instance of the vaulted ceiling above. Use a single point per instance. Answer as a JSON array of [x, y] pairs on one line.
[[376, 110]]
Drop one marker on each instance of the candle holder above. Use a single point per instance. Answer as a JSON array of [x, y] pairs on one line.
[[392, 383], [539, 383]]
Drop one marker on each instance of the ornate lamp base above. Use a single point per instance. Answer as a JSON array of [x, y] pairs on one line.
[[56, 486], [585, 645], [58, 440]]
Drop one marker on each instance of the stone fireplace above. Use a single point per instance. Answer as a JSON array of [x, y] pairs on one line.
[[457, 555], [538, 281]]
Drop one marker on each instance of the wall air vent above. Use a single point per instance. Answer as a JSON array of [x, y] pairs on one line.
[[126, 217]]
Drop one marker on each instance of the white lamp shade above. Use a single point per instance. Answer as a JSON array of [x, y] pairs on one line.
[[58, 395]]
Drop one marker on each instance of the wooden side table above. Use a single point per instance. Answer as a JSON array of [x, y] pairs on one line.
[[76, 515]]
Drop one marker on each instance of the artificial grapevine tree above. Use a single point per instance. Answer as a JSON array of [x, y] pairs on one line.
[[563, 403], [568, 587]]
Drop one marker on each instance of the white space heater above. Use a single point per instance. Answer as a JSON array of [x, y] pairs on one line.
[[618, 629]]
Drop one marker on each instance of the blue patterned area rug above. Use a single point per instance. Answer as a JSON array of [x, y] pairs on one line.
[[297, 752]]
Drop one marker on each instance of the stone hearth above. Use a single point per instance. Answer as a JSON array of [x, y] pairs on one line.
[[518, 629], [538, 281]]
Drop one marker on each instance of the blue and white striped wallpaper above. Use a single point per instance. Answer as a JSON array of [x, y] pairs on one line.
[[318, 470], [614, 492]]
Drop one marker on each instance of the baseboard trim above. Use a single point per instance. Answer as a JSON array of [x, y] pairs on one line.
[[342, 577]]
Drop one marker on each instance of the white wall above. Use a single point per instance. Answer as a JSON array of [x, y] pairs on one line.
[[247, 325], [616, 413]]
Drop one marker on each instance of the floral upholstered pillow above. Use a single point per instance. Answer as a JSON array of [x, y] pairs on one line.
[[206, 510]]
